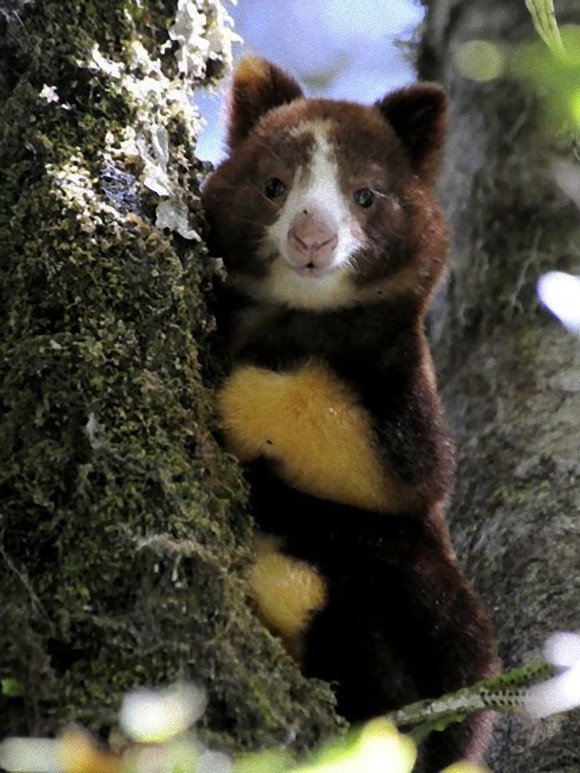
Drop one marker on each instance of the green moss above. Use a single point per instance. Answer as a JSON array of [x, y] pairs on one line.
[[123, 539]]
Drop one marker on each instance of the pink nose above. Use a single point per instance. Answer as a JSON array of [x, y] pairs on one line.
[[312, 241]]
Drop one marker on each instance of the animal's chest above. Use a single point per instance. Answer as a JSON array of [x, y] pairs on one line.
[[312, 424]]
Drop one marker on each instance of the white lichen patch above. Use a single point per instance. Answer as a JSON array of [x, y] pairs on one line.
[[155, 155], [49, 94], [100, 62], [188, 32], [220, 33], [201, 33], [92, 430], [173, 214], [78, 190]]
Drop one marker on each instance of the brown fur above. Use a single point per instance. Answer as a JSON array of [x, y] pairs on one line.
[[334, 410], [257, 88]]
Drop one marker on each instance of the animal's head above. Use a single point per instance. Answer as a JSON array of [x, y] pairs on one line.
[[323, 204]]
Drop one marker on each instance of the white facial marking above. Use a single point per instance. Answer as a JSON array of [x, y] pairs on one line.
[[284, 285], [315, 189]]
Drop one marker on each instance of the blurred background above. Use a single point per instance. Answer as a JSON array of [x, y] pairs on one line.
[[335, 48]]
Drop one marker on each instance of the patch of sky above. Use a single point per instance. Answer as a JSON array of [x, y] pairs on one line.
[[343, 50]]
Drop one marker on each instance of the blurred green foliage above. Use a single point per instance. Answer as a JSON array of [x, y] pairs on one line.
[[544, 18], [555, 75]]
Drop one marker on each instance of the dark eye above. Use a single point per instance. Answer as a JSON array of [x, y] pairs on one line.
[[274, 188], [364, 197]]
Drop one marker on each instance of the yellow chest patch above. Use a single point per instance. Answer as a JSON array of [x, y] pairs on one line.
[[311, 423]]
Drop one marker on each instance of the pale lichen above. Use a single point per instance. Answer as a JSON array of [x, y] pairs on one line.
[[207, 30]]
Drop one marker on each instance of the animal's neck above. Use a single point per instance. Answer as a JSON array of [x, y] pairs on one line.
[[368, 329]]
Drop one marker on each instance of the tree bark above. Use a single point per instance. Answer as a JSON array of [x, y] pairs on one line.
[[509, 373], [123, 537], [123, 534]]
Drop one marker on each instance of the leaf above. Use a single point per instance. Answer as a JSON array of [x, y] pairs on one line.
[[544, 18], [555, 77]]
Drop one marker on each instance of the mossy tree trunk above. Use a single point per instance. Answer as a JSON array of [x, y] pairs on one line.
[[509, 372], [123, 537]]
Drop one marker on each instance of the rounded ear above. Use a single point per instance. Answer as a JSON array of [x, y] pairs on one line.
[[257, 87], [418, 114]]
